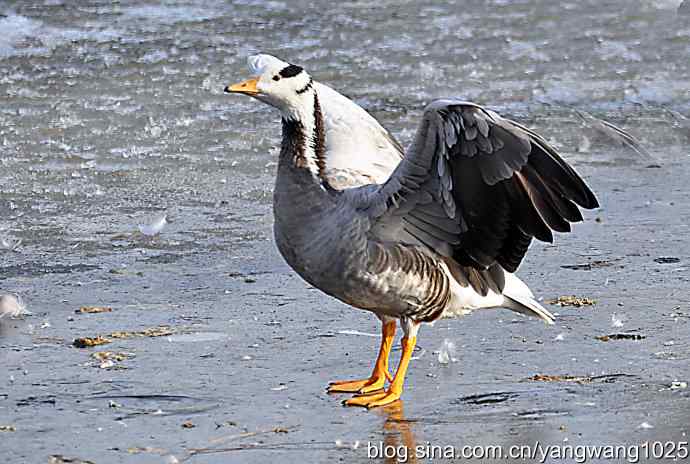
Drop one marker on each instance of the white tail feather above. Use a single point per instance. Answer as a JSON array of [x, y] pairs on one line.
[[528, 307], [519, 298]]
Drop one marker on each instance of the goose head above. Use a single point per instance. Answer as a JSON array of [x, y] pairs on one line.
[[282, 85]]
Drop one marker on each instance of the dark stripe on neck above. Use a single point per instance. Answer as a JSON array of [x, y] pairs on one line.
[[319, 140], [306, 87], [295, 143]]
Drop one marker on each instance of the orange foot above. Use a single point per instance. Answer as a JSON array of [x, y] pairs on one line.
[[372, 384], [373, 400], [376, 399], [378, 378]]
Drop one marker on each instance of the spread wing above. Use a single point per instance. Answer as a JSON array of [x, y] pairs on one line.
[[477, 188]]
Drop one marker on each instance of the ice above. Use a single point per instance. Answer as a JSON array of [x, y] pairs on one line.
[[616, 50], [12, 306], [198, 337], [518, 50], [665, 4], [154, 57], [567, 92], [155, 226], [22, 36], [357, 332], [657, 89], [169, 15], [446, 353], [15, 32]]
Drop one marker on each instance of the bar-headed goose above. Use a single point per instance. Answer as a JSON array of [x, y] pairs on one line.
[[434, 231]]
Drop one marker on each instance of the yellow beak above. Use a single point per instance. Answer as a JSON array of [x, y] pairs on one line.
[[246, 87]]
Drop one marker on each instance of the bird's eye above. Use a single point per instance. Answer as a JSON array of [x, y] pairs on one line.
[[276, 77]]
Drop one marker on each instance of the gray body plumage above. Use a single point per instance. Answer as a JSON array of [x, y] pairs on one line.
[[324, 237], [434, 232]]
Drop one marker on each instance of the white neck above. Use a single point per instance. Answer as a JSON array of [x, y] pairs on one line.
[[308, 149]]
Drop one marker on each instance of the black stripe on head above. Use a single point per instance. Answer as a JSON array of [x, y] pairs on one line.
[[290, 71]]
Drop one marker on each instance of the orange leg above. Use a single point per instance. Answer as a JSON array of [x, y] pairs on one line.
[[378, 377], [396, 387]]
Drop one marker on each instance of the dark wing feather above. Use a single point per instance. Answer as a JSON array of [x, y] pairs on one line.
[[477, 188]]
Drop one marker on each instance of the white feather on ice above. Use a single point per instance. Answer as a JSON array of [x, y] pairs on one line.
[[155, 227], [9, 243], [616, 320], [12, 306], [447, 352]]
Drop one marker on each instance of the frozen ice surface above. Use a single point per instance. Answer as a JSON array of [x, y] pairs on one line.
[[198, 337], [357, 332]]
